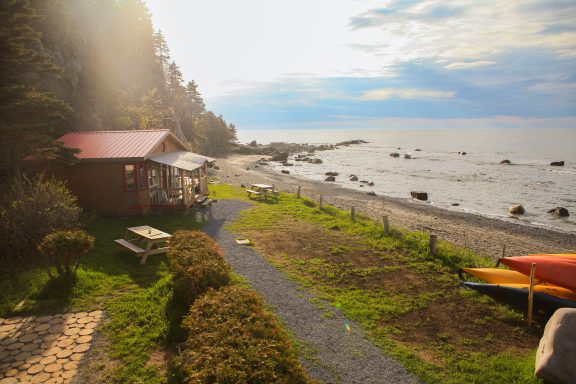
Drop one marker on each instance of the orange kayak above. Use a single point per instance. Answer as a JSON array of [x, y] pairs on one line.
[[555, 270], [498, 275], [569, 255]]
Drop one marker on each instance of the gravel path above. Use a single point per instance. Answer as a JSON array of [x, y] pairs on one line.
[[337, 356]]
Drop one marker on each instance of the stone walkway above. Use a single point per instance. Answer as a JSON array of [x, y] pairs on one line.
[[45, 349]]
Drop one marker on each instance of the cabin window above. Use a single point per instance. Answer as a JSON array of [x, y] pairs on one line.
[[153, 177], [130, 177], [142, 179]]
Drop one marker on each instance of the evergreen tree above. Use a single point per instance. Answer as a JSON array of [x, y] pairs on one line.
[[29, 116]]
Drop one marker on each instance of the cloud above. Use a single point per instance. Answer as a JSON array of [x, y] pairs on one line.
[[390, 93], [469, 64]]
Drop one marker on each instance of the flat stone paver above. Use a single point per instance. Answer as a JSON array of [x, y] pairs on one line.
[[45, 349]]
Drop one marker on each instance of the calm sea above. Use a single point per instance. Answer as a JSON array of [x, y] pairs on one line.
[[477, 182]]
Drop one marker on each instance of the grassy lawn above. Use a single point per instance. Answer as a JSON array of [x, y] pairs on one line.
[[408, 302], [136, 298]]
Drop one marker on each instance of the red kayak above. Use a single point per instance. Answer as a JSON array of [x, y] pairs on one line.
[[559, 271]]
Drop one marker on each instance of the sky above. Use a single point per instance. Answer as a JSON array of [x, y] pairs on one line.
[[365, 64]]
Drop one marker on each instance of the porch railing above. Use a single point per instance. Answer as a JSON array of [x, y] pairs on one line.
[[171, 196]]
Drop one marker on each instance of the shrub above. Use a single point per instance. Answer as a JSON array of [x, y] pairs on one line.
[[45, 205], [196, 263], [233, 339], [65, 248]]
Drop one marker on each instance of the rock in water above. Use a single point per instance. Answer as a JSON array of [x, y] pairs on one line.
[[394, 154], [280, 156], [331, 174], [407, 156], [417, 150], [557, 163], [370, 183], [556, 355], [517, 210], [285, 171], [330, 178], [462, 153], [371, 193], [316, 161], [419, 195], [505, 162], [353, 178], [560, 211]]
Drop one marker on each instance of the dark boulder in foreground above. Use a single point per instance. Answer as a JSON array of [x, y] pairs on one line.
[[331, 174], [285, 171], [394, 154], [419, 195], [517, 210], [505, 162], [556, 355], [330, 178], [557, 163], [560, 211], [353, 178]]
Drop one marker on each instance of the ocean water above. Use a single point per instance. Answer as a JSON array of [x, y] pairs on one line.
[[476, 181]]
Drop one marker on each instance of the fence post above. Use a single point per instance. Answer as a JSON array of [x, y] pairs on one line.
[[298, 193], [386, 224], [503, 250], [321, 201], [432, 244], [531, 293], [353, 213]]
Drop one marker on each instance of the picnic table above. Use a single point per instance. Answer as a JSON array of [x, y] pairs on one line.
[[144, 241], [262, 190]]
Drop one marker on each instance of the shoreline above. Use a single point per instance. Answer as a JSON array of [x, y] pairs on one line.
[[484, 235]]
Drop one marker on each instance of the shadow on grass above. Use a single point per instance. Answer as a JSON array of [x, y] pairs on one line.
[[56, 294]]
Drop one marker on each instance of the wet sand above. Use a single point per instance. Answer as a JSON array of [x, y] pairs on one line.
[[485, 236]]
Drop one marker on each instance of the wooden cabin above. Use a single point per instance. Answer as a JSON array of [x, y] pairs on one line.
[[134, 172]]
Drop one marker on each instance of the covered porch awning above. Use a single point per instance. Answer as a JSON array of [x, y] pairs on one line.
[[188, 161]]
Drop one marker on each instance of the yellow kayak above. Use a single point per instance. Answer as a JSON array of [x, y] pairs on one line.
[[554, 254], [498, 276]]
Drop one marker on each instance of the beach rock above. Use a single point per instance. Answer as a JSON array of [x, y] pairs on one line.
[[253, 144], [330, 178], [371, 193], [280, 156], [394, 154], [353, 178], [560, 211], [288, 164], [517, 210], [364, 181], [315, 161], [462, 153], [419, 195], [455, 204], [556, 354], [557, 163], [417, 150], [505, 162], [370, 183], [285, 171], [407, 156], [331, 174]]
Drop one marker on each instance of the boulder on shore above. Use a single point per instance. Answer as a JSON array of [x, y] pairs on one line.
[[331, 174], [505, 162], [330, 178], [417, 150], [370, 183], [419, 195], [517, 210], [556, 355], [371, 193], [462, 153], [280, 156], [285, 171], [353, 178], [394, 154], [560, 211], [557, 163], [407, 156], [315, 161]]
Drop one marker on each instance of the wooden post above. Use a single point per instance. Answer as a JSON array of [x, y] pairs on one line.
[[531, 294], [320, 201], [353, 213], [503, 250], [432, 244], [298, 193], [386, 224]]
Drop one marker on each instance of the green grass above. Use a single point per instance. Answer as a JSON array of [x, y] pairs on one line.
[[371, 307], [136, 298]]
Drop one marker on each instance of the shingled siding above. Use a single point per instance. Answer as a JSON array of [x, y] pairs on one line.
[[99, 186]]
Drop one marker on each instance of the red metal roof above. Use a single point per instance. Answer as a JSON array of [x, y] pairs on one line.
[[114, 144]]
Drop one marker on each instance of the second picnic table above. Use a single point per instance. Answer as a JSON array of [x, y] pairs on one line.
[[262, 190], [153, 241]]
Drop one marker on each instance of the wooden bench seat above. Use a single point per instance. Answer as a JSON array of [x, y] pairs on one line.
[[130, 246], [257, 193]]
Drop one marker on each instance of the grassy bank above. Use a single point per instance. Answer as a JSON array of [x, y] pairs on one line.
[[408, 302]]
